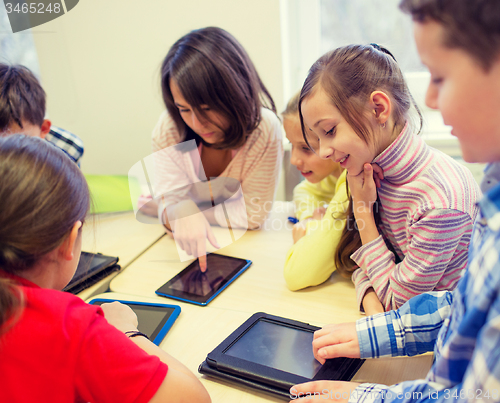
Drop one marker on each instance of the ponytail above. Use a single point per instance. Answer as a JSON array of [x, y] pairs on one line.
[[42, 194]]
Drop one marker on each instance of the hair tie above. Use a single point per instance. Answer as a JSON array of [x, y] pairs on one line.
[[383, 50]]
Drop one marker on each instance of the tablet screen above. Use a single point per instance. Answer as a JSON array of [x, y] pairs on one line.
[[193, 285], [277, 346], [89, 263], [151, 318]]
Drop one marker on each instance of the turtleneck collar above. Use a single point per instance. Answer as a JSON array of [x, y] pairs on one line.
[[405, 158]]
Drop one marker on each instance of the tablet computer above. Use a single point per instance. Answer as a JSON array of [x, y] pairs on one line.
[[155, 320], [272, 354], [92, 267], [197, 287]]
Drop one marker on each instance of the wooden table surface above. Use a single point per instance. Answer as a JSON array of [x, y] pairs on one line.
[[261, 288]]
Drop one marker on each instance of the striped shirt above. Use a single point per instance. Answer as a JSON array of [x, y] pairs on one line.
[[462, 327], [256, 166], [427, 209]]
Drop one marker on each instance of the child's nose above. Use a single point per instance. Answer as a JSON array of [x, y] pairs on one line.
[[325, 151], [431, 97], [295, 159], [197, 122]]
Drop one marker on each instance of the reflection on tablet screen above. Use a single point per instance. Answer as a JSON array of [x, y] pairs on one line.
[[196, 282], [279, 347], [150, 318]]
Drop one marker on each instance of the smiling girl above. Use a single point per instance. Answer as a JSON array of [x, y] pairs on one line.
[[319, 202], [413, 231], [218, 107]]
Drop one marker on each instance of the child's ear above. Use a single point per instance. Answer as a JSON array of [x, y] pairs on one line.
[[380, 105], [45, 128], [66, 250]]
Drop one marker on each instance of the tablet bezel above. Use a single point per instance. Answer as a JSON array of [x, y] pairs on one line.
[[109, 265], [266, 375], [166, 291], [165, 324]]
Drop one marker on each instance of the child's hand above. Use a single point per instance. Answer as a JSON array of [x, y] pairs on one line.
[[298, 231], [191, 230], [319, 212], [120, 316], [334, 341], [322, 390], [363, 189], [378, 174]]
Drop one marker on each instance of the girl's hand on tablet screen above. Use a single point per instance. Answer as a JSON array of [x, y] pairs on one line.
[[120, 316], [191, 230], [334, 341], [322, 390]]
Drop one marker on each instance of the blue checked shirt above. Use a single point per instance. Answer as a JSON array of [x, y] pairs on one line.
[[66, 141], [462, 327]]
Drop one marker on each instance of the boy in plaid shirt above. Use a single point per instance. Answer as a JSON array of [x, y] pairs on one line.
[[22, 110]]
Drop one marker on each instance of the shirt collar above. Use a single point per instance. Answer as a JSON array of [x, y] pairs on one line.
[[490, 208], [405, 158], [22, 281]]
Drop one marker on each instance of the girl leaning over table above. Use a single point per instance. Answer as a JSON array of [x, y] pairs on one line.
[[411, 207], [220, 125]]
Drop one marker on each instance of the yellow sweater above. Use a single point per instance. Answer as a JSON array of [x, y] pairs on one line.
[[310, 261]]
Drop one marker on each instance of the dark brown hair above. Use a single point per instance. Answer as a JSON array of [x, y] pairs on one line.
[[42, 195], [349, 75], [470, 25], [211, 68], [22, 98]]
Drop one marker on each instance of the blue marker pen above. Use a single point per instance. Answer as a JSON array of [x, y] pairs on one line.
[[293, 220]]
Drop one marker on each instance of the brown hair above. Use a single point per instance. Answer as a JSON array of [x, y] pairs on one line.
[[470, 25], [22, 98], [211, 68], [42, 195], [349, 75]]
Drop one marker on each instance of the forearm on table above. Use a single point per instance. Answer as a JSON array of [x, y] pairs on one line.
[[371, 303], [392, 333]]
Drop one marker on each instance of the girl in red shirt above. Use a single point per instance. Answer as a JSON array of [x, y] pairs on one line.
[[54, 346]]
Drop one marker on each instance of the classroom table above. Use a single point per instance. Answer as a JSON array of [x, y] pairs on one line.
[[198, 330], [118, 234], [259, 289]]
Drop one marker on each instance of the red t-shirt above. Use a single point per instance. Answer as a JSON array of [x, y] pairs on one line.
[[63, 350]]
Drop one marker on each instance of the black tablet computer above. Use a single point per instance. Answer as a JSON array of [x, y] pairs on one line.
[[92, 267], [155, 320], [197, 287], [271, 353]]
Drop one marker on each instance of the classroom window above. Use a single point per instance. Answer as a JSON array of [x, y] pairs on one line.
[[310, 28], [17, 48]]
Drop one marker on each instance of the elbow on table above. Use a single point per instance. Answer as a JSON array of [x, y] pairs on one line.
[[296, 277]]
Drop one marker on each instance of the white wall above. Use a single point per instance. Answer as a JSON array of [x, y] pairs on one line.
[[100, 66]]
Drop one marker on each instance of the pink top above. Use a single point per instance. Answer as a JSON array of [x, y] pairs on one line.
[[427, 208], [255, 167]]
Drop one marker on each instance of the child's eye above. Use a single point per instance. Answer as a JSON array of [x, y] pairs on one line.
[[183, 110], [436, 81], [331, 131], [306, 149]]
